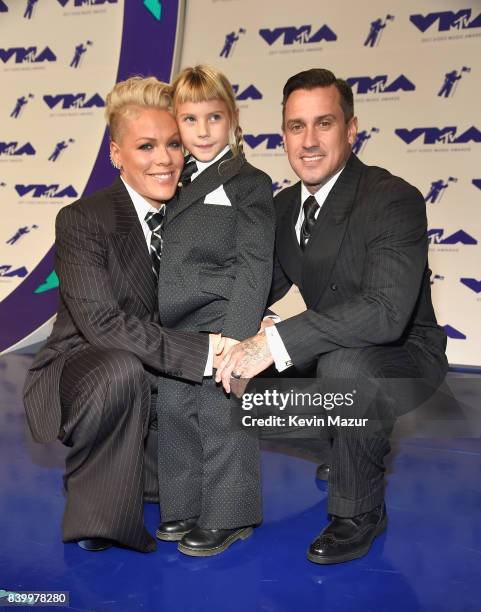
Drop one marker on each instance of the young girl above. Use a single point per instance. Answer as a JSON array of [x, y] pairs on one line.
[[215, 275]]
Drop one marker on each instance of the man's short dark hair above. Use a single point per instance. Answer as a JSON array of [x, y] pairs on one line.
[[320, 77]]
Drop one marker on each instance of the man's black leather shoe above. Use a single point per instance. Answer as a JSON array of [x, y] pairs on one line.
[[95, 544], [207, 542], [171, 531], [322, 472], [345, 539]]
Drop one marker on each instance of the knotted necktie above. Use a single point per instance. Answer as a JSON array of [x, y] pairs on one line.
[[189, 169], [310, 207], [154, 220]]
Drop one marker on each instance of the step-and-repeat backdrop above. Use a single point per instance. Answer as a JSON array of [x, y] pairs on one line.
[[414, 67], [58, 60]]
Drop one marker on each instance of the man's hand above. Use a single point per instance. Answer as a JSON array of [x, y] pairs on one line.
[[245, 360]]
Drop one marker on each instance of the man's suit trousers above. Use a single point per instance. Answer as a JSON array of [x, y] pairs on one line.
[[389, 381]]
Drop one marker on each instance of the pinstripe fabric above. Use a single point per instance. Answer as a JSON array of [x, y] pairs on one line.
[[106, 301], [107, 312], [365, 280]]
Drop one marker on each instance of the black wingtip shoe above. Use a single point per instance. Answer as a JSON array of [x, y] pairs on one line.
[[345, 539], [95, 544], [172, 531], [207, 542]]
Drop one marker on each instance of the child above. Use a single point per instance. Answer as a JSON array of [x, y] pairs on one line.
[[215, 275]]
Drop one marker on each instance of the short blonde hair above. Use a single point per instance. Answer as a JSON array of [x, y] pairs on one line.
[[204, 83], [137, 91]]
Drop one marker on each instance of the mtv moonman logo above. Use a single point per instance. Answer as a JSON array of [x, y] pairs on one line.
[[79, 51], [59, 147], [376, 29], [362, 138], [279, 185], [437, 189], [19, 105], [450, 83], [230, 41], [20, 233]]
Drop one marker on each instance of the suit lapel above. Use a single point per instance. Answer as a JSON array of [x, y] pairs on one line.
[[287, 247], [130, 247], [207, 181], [326, 239]]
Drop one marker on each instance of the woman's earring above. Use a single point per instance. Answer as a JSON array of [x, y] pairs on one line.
[[114, 164]]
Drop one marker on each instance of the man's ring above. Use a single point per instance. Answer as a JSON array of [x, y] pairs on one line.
[[236, 375]]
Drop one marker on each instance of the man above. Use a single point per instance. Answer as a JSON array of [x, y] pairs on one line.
[[353, 239]]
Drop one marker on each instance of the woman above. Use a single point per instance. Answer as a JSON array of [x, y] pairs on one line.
[[90, 386]]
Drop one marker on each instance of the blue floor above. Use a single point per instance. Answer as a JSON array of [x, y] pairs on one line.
[[429, 559]]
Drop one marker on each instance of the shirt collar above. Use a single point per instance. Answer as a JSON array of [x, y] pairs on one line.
[[142, 207], [323, 192], [201, 166]]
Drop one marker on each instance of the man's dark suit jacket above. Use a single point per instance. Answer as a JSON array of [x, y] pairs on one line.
[[216, 265], [108, 299], [364, 273]]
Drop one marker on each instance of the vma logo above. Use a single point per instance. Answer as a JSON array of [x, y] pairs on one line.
[[80, 100], [27, 55], [13, 148], [433, 135], [46, 191], [249, 93], [447, 20], [435, 236], [362, 138], [477, 183], [472, 283], [375, 31], [452, 332], [304, 35], [279, 185], [271, 141], [230, 42], [380, 84], [3, 7], [448, 88], [7, 271], [437, 188], [78, 3]]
